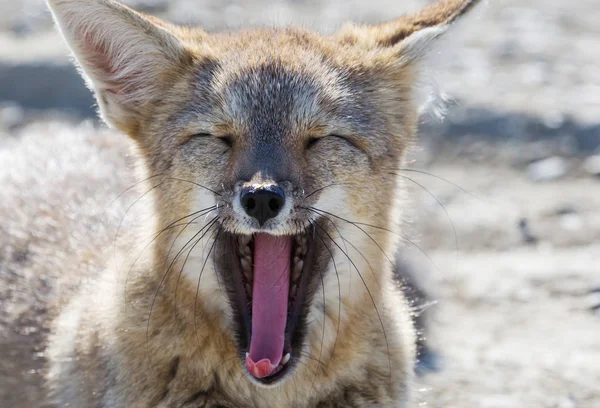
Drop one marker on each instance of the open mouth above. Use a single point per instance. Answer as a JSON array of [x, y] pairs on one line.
[[270, 280]]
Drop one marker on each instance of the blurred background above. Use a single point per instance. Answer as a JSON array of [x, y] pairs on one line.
[[505, 193]]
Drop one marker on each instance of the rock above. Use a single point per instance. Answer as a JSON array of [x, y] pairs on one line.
[[592, 165], [526, 234], [548, 169], [571, 220], [593, 300]]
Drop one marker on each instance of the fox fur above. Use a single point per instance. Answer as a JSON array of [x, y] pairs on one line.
[[99, 309]]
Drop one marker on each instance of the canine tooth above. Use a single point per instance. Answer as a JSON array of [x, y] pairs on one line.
[[247, 271], [294, 291], [248, 289], [286, 359], [298, 265], [245, 264]]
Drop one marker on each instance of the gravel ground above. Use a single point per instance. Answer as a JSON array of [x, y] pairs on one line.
[[517, 319], [516, 322]]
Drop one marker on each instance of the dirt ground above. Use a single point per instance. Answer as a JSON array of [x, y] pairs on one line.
[[511, 258], [514, 319]]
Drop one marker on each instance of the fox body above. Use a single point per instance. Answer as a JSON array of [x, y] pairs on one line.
[[251, 269]]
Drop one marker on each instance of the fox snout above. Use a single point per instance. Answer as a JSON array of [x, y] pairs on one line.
[[262, 201], [267, 181]]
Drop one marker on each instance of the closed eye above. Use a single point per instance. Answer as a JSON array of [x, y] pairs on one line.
[[314, 140], [227, 140]]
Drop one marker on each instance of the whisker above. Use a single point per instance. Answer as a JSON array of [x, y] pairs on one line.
[[323, 334], [194, 183], [356, 225], [323, 188], [204, 212], [200, 276], [440, 178], [367, 261], [214, 261], [158, 234], [370, 296], [125, 214], [323, 366], [445, 212], [337, 275], [312, 209], [129, 189], [208, 226], [307, 366], [164, 278], [368, 235]]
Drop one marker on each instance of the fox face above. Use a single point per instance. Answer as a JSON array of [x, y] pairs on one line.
[[269, 135], [274, 153]]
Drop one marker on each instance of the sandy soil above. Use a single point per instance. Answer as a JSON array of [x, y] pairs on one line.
[[514, 320]]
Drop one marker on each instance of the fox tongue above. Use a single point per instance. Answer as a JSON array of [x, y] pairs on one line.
[[272, 256]]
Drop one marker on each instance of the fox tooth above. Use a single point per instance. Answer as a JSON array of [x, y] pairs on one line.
[[286, 359], [298, 265], [246, 267]]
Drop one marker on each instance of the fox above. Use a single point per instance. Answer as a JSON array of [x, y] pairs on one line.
[[252, 268]]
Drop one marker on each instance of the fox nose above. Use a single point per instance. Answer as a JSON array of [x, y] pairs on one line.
[[262, 203]]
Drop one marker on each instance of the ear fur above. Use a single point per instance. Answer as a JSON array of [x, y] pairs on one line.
[[127, 59], [411, 35]]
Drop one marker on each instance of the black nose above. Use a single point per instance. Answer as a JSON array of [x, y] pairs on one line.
[[262, 203]]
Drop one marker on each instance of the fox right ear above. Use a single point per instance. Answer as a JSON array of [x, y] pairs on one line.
[[409, 36], [128, 59]]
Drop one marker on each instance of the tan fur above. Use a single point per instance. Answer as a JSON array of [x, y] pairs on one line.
[[208, 113]]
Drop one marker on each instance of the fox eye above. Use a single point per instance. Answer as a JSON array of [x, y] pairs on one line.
[[313, 140], [227, 140]]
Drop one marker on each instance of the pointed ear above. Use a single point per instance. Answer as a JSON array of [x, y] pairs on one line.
[[410, 35], [127, 59]]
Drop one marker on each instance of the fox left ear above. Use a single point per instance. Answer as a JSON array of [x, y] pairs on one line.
[[129, 60], [409, 36]]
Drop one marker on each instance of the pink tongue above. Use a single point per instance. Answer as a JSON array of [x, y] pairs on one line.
[[269, 303]]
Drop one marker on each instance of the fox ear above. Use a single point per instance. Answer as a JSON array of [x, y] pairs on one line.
[[411, 35], [126, 58]]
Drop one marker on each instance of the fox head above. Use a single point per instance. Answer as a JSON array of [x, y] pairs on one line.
[[285, 141]]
